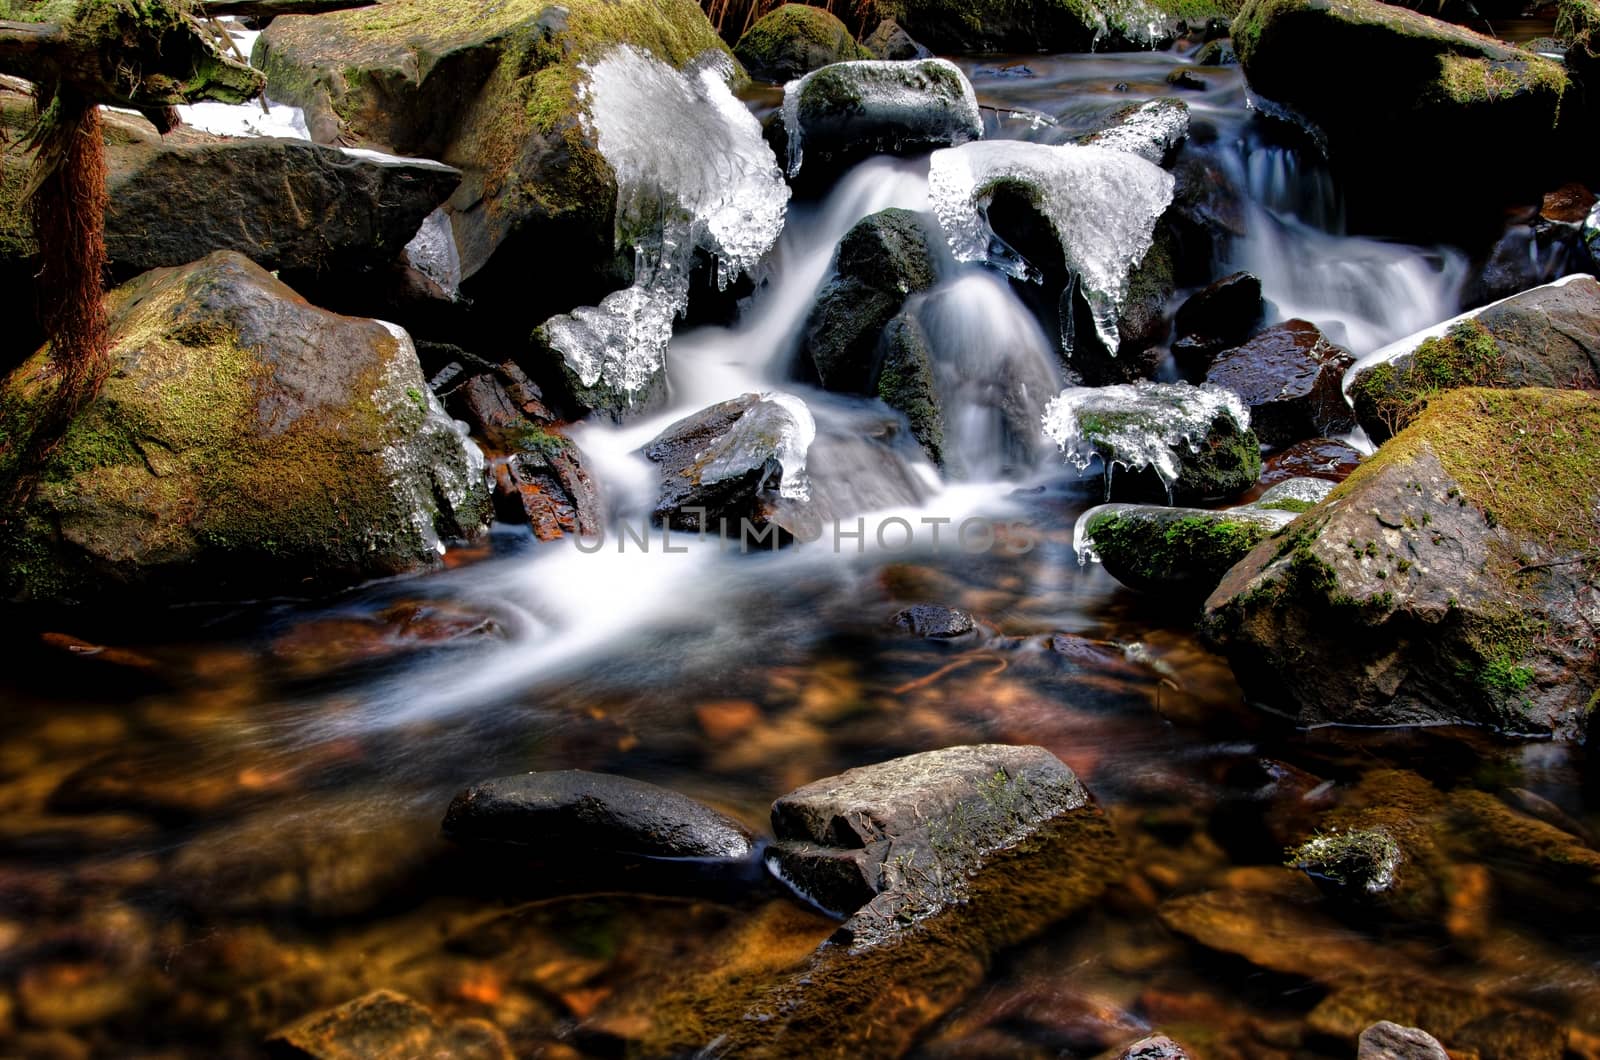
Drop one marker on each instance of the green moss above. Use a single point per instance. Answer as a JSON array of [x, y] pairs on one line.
[[1577, 23], [1472, 80], [1391, 395], [1289, 504], [1362, 858], [1149, 550], [37, 10], [797, 37], [905, 383]]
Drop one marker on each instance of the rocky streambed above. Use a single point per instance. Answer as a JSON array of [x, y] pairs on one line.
[[641, 531]]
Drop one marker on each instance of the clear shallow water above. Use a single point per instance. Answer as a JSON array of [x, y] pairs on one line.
[[220, 820]]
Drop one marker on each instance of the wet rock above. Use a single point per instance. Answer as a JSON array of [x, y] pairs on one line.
[[845, 112], [1568, 204], [881, 262], [1001, 26], [246, 442], [1446, 582], [1290, 377], [1315, 457], [1390, 1041], [906, 383], [1547, 337], [1180, 551], [1168, 442], [1527, 255], [1493, 1028], [1152, 130], [386, 1023], [890, 41], [323, 646], [1217, 53], [1142, 324], [957, 854], [495, 92], [729, 468], [933, 622], [1426, 86], [1185, 78], [285, 204], [539, 475], [887, 834], [1155, 1047], [1276, 933], [796, 39], [1215, 318], [573, 809]]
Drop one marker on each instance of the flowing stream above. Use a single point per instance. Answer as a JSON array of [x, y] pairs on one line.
[[224, 819]]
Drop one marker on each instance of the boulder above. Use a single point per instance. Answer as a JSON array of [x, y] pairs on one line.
[[1390, 1041], [1169, 442], [842, 113], [284, 204], [246, 442], [738, 467], [1218, 316], [1449, 579], [796, 39], [386, 1023], [1290, 377], [1546, 337], [1180, 552], [942, 859], [890, 41], [1425, 88], [571, 809], [882, 261], [501, 92]]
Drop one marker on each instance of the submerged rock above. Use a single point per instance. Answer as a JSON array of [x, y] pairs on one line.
[[737, 467], [932, 622], [1290, 377], [1425, 87], [795, 39], [1447, 580], [1193, 442], [952, 855], [842, 113], [246, 442], [575, 810], [386, 1023], [1180, 551], [1545, 337], [1390, 1041], [1155, 1047]]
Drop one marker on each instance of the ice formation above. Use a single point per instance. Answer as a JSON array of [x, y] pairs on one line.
[[1150, 131], [692, 173], [432, 252], [1103, 205], [1138, 425], [915, 101]]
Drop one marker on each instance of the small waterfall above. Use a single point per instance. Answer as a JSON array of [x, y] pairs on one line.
[[994, 369]]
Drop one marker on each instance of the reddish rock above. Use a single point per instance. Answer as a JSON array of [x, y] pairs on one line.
[[1569, 203], [1312, 458], [1290, 376]]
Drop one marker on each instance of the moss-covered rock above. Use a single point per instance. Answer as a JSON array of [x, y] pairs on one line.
[[1449, 579], [493, 89], [796, 39], [1182, 552], [1424, 88], [1047, 25], [246, 442], [1545, 337], [906, 383]]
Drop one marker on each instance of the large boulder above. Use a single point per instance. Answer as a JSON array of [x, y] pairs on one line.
[[842, 113], [1169, 442], [1180, 552], [1421, 89], [245, 442], [796, 39], [1290, 376], [1546, 337], [1036, 25], [940, 860], [1451, 578], [502, 92], [571, 809]]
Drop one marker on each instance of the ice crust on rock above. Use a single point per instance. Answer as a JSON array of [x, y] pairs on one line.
[[913, 95], [693, 172], [432, 252], [1138, 425], [1151, 131], [1102, 203]]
